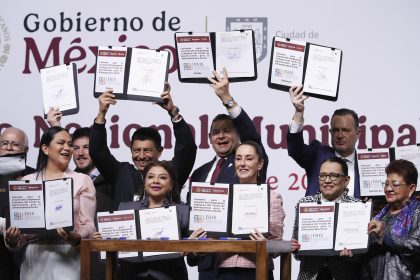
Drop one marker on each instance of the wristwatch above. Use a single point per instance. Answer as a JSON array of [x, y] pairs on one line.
[[229, 103]]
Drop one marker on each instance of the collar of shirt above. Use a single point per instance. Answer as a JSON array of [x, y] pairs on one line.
[[351, 158]]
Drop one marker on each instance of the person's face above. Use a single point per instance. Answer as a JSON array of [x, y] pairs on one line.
[[329, 188], [81, 155], [143, 152], [247, 164], [157, 183], [397, 192], [59, 151], [344, 134], [223, 137], [12, 142]]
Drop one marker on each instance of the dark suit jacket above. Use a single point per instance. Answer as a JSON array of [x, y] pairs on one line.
[[164, 268], [9, 262], [247, 131], [310, 158], [125, 179]]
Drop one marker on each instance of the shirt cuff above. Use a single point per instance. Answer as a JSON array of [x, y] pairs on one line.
[[235, 112], [295, 127]]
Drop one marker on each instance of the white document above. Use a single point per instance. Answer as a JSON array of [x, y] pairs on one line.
[[110, 69], [26, 200], [209, 207], [58, 203], [148, 70], [411, 153], [322, 70], [352, 221], [372, 174], [250, 208], [316, 226], [12, 164], [58, 87], [235, 51], [194, 55], [159, 224], [118, 225], [288, 61]]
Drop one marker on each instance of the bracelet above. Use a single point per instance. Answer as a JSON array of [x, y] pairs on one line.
[[174, 114]]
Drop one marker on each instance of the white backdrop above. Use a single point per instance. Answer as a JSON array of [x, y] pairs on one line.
[[379, 40]]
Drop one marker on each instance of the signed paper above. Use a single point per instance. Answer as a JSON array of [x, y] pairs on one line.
[[250, 208], [10, 164], [148, 70], [322, 71], [352, 220], [235, 51], [58, 203], [58, 87], [410, 153], [159, 224]]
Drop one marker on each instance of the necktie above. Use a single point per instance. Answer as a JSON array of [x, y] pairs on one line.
[[217, 170]]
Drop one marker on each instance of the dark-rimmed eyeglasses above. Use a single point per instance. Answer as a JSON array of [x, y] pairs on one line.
[[332, 176]]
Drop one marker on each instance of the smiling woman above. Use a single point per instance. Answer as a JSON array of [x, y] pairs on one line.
[[56, 256], [159, 181]]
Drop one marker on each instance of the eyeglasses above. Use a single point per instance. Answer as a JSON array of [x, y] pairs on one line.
[[332, 176], [15, 146], [394, 185]]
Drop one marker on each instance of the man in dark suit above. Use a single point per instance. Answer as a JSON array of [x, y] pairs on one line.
[[226, 132], [345, 131], [125, 178], [12, 141]]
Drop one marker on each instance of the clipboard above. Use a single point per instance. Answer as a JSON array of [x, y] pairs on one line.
[[61, 90], [204, 218], [106, 82], [289, 61], [21, 215], [203, 69], [331, 251]]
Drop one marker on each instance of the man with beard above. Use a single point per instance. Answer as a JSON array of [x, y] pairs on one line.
[[12, 141], [84, 164]]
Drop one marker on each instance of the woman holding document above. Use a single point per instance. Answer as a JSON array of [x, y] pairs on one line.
[[159, 182], [248, 162], [333, 181], [57, 257], [394, 251]]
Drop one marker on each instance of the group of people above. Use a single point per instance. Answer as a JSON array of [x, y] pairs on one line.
[[102, 183]]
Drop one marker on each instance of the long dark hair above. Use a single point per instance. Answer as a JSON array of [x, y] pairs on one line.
[[174, 194], [46, 139]]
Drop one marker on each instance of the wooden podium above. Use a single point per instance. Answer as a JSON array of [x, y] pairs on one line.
[[112, 247]]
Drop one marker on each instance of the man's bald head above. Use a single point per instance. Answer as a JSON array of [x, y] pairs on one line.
[[12, 141]]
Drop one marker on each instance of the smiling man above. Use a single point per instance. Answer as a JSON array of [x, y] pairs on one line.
[[344, 131], [226, 132], [126, 178]]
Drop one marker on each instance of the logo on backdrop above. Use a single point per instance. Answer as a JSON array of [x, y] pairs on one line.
[[4, 43], [258, 24]]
